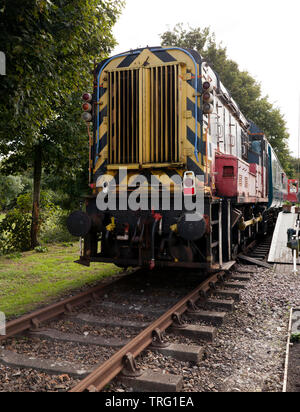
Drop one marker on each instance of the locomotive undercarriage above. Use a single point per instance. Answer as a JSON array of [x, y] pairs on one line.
[[164, 239]]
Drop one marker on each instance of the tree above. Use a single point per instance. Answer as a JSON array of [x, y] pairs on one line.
[[243, 88], [50, 48], [295, 165]]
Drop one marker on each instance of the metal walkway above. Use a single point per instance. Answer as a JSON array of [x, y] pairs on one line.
[[279, 252]]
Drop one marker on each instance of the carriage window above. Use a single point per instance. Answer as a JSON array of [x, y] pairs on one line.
[[245, 146], [228, 171]]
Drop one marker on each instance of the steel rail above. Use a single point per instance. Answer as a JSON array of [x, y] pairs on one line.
[[34, 319], [105, 373]]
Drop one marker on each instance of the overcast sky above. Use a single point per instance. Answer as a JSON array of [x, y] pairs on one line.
[[262, 36]]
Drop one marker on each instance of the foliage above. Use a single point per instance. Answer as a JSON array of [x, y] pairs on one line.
[[15, 231], [243, 88], [16, 225], [54, 229], [41, 249], [295, 166], [48, 208], [65, 189], [10, 188], [51, 48], [68, 189], [295, 338]]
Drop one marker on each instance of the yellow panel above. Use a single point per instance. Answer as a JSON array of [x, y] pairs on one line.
[[182, 57], [145, 127]]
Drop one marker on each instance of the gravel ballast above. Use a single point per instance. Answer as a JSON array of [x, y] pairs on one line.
[[248, 354]]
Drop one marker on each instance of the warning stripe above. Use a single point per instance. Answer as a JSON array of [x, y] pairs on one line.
[[162, 56], [127, 62], [170, 181]]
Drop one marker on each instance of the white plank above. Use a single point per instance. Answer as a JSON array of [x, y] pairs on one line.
[[279, 252]]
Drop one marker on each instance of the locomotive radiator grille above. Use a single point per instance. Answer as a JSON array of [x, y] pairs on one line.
[[124, 134], [162, 129], [144, 115]]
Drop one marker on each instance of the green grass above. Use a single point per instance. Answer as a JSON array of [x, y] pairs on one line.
[[2, 216], [30, 280]]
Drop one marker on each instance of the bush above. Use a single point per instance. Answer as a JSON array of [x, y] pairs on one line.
[[295, 338], [41, 249], [54, 228], [10, 188], [15, 228], [15, 231]]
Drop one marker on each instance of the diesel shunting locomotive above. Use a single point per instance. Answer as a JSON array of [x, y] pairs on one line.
[[167, 135]]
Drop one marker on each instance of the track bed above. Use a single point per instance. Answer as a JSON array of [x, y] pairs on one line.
[[241, 349]]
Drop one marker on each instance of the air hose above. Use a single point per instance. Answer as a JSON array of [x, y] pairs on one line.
[[157, 218]]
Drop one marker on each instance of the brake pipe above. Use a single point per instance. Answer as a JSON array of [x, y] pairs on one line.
[[157, 218]]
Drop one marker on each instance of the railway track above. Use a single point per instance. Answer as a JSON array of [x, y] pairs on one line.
[[33, 320], [118, 340], [261, 250], [98, 335], [124, 360], [257, 253]]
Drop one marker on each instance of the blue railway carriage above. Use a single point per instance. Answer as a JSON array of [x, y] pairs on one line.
[[278, 181], [165, 128]]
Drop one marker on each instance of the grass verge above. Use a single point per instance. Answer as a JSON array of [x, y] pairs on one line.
[[31, 280]]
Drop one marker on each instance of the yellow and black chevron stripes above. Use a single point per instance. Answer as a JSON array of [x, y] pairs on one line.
[[124, 180], [143, 61]]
